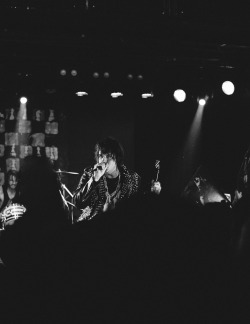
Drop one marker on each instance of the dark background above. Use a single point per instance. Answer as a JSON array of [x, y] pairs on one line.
[[190, 44]]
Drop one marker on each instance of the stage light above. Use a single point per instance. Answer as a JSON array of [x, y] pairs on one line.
[[73, 72], [116, 94], [140, 77], [106, 75], [130, 76], [81, 93], [202, 102], [23, 100], [179, 95], [147, 95], [63, 72], [96, 75], [228, 88]]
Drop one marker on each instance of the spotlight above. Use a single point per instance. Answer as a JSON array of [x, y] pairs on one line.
[[228, 88], [130, 76], [23, 100], [73, 72], [140, 77], [63, 72], [81, 93], [106, 75], [147, 95], [202, 102], [116, 94], [96, 75], [179, 95]]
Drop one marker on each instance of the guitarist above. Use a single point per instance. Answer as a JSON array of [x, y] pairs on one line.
[[9, 192], [155, 184]]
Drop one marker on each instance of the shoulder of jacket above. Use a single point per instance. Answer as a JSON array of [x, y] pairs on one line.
[[130, 173]]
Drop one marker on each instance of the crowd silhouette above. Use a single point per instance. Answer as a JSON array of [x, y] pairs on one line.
[[154, 259]]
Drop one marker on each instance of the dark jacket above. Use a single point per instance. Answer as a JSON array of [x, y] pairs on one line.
[[90, 196]]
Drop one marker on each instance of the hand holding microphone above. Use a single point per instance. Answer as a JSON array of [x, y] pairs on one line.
[[99, 170]]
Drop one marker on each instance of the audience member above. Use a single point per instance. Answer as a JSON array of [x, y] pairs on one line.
[[34, 248]]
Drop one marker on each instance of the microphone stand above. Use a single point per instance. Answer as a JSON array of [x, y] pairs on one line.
[[68, 202]]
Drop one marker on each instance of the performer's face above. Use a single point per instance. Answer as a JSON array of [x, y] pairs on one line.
[[111, 166], [109, 161], [12, 182]]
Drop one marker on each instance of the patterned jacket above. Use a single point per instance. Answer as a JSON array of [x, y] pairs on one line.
[[90, 196]]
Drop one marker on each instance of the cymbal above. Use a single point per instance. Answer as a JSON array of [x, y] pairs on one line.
[[66, 172]]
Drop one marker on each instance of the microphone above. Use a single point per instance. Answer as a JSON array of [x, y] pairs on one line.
[[98, 167]]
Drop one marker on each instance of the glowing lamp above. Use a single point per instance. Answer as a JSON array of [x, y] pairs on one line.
[[228, 88], [116, 94], [23, 100], [202, 102], [180, 95]]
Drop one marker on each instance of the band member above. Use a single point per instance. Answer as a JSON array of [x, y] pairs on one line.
[[9, 192], [243, 189], [34, 240], [103, 186]]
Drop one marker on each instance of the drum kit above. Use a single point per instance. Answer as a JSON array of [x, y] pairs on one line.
[[14, 211]]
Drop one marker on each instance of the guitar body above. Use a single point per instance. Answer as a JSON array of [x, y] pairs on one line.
[[11, 213], [156, 186]]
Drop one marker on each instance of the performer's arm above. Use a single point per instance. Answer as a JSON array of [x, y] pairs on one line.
[[85, 186], [88, 182]]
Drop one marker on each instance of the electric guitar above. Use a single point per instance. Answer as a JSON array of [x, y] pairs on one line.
[[156, 186], [157, 166]]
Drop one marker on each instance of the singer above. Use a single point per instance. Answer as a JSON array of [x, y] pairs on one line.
[[107, 183]]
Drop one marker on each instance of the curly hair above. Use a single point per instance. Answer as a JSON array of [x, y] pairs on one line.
[[12, 173], [112, 147]]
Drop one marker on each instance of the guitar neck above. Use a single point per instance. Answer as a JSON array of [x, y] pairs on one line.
[[157, 166], [157, 175]]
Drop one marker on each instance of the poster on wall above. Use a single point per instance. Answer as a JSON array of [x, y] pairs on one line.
[[30, 133]]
